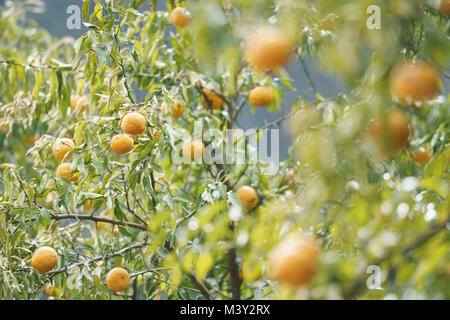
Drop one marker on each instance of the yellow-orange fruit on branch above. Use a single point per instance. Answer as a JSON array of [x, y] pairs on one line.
[[294, 260], [260, 96], [180, 17], [118, 279], [32, 139], [50, 289], [79, 103], [62, 147], [134, 123], [156, 133], [177, 110], [64, 170], [443, 6], [390, 132], [248, 197], [193, 149], [212, 99], [44, 259], [413, 82], [105, 226], [122, 144], [422, 156], [268, 48]]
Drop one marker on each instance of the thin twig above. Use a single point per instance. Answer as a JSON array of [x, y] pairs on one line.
[[308, 75], [96, 259]]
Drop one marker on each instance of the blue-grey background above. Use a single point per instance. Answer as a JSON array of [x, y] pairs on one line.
[[54, 20]]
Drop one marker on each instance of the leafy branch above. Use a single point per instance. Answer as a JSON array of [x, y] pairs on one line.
[[422, 239]]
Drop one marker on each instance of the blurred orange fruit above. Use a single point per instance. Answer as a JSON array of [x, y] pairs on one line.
[[212, 99], [32, 139], [413, 82], [390, 132], [422, 156], [180, 17], [268, 48], [50, 290], [293, 261], [177, 110], [79, 103], [443, 6], [156, 133]]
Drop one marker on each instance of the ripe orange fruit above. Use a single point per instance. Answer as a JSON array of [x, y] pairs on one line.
[[260, 96], [44, 259], [193, 149], [212, 99], [390, 132], [134, 123], [248, 197], [180, 17], [89, 205], [156, 133], [177, 110], [115, 230], [103, 226], [268, 48], [100, 225], [122, 144], [64, 170], [293, 261], [412, 82], [422, 156], [118, 279], [79, 103], [50, 290], [443, 6], [32, 139], [62, 147]]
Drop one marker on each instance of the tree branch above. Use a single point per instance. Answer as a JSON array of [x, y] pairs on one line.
[[96, 259], [357, 285], [235, 277], [98, 219], [201, 287]]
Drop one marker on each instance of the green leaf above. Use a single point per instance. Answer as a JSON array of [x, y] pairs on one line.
[[118, 211], [37, 85], [85, 10], [44, 217]]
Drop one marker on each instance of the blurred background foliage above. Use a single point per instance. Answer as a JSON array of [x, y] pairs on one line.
[[173, 220]]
